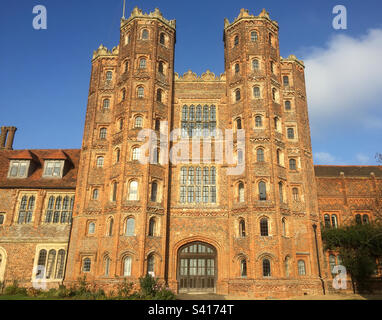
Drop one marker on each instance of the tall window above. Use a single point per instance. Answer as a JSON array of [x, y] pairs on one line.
[[138, 122], [145, 34], [242, 228], [243, 268], [295, 194], [161, 67], [91, 228], [255, 65], [256, 92], [241, 192], [198, 185], [327, 220], [86, 265], [150, 264], [358, 219], [95, 194], [142, 63], [1, 219], [334, 221], [332, 262], [133, 191], [236, 41], [287, 105], [258, 122], [254, 36], [136, 153], [130, 227], [292, 164], [283, 222], [301, 267], [59, 209], [127, 266], [106, 104], [278, 156], [102, 133], [290, 133], [26, 209], [286, 81], [154, 191], [365, 219], [266, 268], [270, 39], [262, 191], [260, 155], [237, 95], [237, 68], [109, 76], [117, 155], [274, 94], [50, 265], [152, 227], [100, 161], [141, 92], [126, 66], [60, 264], [162, 38], [107, 266], [114, 192], [159, 95], [123, 94], [199, 121], [110, 229], [264, 227]]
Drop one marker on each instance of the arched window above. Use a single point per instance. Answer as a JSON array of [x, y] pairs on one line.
[[127, 39], [365, 219], [264, 227], [262, 191], [236, 40], [159, 95], [142, 63], [150, 264], [91, 228], [238, 124], [266, 268], [292, 164], [334, 221], [107, 266], [270, 39], [145, 34], [301, 267], [295, 194], [127, 266], [130, 227], [60, 264], [237, 95], [286, 81], [278, 156], [136, 153], [161, 67], [288, 106], [102, 133], [184, 113], [256, 92], [110, 230], [260, 155], [109, 75], [272, 64], [41, 264], [157, 125], [237, 68], [114, 192], [332, 262], [258, 122], [120, 124], [95, 194], [154, 190], [140, 92], [138, 122], [106, 104], [152, 225], [290, 133], [283, 222], [358, 219], [254, 36], [126, 66], [281, 192], [100, 161], [243, 268], [86, 265], [242, 228], [133, 191], [50, 263], [123, 94], [274, 94], [255, 65], [241, 192], [162, 38], [327, 221], [117, 155], [277, 123]]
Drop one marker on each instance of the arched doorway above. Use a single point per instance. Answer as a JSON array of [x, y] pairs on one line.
[[197, 267]]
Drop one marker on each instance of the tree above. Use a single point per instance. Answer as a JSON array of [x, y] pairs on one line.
[[378, 157], [359, 247]]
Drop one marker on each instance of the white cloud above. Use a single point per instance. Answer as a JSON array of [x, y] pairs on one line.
[[324, 158], [362, 158], [344, 82]]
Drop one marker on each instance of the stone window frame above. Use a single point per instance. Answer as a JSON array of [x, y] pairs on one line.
[[202, 124], [13, 163], [87, 230], [18, 206], [257, 36], [69, 209], [54, 162]]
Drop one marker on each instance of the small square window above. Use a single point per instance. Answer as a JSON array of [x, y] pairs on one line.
[[54, 168], [18, 169]]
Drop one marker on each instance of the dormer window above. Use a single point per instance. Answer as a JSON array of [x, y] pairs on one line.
[[53, 168], [18, 169]]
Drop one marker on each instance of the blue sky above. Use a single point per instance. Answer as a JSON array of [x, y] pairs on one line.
[[45, 74]]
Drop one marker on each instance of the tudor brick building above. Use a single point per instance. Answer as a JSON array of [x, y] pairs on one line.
[[198, 223]]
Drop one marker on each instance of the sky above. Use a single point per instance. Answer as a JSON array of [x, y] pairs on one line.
[[45, 74]]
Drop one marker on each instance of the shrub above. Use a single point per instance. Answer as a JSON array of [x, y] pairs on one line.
[[14, 289], [148, 285]]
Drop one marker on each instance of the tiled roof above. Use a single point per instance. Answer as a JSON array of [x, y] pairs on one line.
[[35, 179], [349, 171]]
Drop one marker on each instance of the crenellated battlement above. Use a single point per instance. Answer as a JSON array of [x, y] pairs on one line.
[[138, 13], [244, 14], [206, 76], [292, 58], [103, 51]]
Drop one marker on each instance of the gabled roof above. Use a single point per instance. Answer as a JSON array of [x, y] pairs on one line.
[[35, 179], [349, 171]]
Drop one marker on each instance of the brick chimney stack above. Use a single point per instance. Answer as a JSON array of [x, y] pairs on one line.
[[7, 135]]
